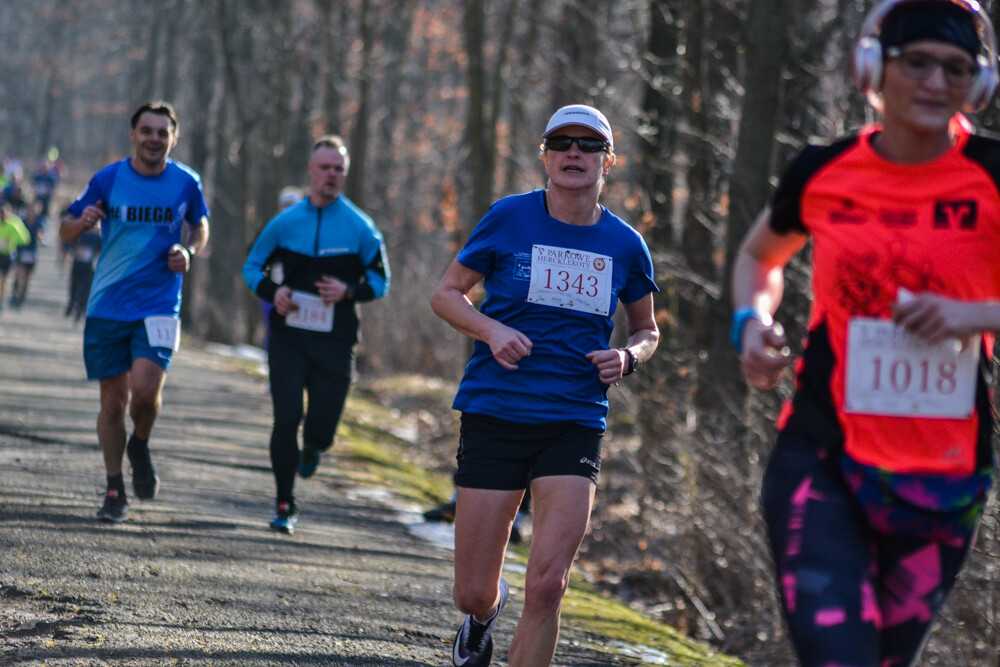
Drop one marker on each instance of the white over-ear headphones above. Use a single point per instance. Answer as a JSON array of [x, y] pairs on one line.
[[866, 62]]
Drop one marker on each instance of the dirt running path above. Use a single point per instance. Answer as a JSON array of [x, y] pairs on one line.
[[195, 577]]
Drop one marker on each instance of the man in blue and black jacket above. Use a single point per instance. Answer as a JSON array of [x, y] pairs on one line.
[[316, 261]]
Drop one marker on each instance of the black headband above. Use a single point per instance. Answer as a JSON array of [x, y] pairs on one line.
[[937, 20]]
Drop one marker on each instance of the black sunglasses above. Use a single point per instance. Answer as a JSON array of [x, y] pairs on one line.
[[561, 143]]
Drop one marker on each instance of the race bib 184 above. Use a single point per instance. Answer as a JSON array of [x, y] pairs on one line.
[[312, 314], [891, 372], [572, 279]]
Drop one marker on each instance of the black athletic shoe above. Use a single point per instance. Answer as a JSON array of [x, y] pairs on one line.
[[474, 641], [308, 462], [115, 507], [145, 481], [444, 512]]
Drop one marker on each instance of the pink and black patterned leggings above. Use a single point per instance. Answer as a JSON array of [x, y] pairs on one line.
[[852, 597]]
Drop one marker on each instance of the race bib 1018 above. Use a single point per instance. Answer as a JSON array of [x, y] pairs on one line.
[[891, 372]]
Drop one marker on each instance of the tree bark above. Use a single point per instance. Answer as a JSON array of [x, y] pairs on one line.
[[766, 44]]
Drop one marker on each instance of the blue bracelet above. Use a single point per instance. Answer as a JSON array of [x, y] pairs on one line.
[[740, 317]]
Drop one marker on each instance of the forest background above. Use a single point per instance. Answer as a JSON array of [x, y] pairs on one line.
[[442, 103]]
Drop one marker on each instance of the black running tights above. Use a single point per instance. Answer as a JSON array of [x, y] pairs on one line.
[[321, 366]]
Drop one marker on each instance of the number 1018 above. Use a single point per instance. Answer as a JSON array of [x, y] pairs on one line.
[[903, 376]]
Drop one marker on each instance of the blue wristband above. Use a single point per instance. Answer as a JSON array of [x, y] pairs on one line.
[[740, 317]]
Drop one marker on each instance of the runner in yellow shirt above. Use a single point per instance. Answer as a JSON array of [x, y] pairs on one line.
[[13, 234]]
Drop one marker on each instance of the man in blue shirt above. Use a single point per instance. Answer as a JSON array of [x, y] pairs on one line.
[[153, 220], [325, 256]]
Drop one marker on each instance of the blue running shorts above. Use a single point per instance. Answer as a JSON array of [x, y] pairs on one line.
[[110, 346]]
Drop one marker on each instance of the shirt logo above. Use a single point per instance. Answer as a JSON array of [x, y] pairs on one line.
[[848, 214], [958, 214], [898, 217], [159, 214], [522, 266]]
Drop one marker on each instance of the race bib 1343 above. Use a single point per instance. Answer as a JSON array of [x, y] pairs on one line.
[[572, 279]]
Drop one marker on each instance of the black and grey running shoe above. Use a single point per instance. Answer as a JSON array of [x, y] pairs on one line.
[[145, 481], [474, 641], [115, 507], [308, 462]]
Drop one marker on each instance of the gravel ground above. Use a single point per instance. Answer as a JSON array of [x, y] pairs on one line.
[[195, 577]]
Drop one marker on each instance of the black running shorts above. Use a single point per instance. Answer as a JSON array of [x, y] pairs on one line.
[[506, 456]]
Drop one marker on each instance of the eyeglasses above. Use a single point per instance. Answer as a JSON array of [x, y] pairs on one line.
[[561, 143], [918, 65]]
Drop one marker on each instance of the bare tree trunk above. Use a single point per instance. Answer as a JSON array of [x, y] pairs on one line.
[[521, 68], [506, 33], [766, 43], [357, 176], [697, 240], [147, 76], [657, 129], [48, 109], [53, 68], [198, 142], [335, 45], [174, 18], [579, 73], [232, 178], [476, 133]]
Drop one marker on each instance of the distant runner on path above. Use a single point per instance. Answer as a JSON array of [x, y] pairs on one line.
[[316, 261]]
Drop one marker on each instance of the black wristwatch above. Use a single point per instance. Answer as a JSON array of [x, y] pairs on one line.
[[633, 362]]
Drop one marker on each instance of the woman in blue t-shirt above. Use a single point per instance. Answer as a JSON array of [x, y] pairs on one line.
[[554, 264]]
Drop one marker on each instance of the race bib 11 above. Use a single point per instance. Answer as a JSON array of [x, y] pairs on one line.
[[164, 331]]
